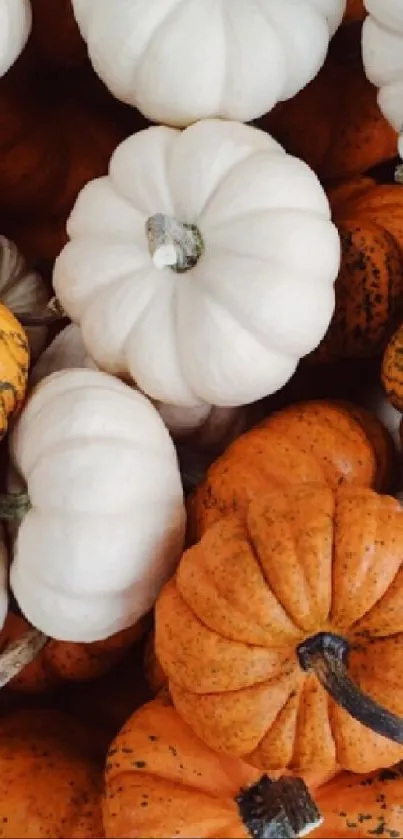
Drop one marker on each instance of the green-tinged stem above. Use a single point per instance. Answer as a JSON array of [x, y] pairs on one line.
[[13, 507], [173, 244]]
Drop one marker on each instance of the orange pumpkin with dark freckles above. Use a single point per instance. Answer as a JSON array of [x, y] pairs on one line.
[[61, 661], [392, 369], [369, 287], [263, 613], [334, 123], [50, 778], [320, 440]]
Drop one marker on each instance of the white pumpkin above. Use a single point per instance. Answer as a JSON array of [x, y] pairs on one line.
[[382, 47], [106, 523], [15, 27], [178, 62], [203, 266], [23, 291], [209, 426]]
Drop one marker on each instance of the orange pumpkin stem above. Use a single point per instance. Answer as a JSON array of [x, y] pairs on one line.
[[280, 809], [19, 654], [325, 654]]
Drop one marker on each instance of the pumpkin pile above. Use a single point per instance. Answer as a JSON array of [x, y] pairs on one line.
[[201, 431]]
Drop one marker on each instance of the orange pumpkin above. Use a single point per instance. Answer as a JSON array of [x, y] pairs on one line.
[[161, 780], [61, 661], [309, 441], [263, 616], [50, 778], [392, 369], [369, 288], [335, 123]]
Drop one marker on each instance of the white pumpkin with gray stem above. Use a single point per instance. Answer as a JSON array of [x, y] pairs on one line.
[[178, 62], [103, 519], [202, 267]]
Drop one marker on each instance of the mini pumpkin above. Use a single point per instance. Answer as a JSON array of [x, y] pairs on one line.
[[16, 21], [161, 780], [369, 288], [56, 662], [50, 777], [392, 369], [335, 123], [256, 57], [103, 518], [320, 440], [231, 204], [14, 364], [382, 47], [23, 291], [281, 634]]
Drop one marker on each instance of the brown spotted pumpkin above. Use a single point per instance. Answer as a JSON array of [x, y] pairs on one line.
[[320, 440], [281, 634], [50, 777], [162, 780], [369, 288], [392, 369], [334, 123], [61, 661]]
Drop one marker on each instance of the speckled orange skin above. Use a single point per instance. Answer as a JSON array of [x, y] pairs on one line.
[[14, 364], [161, 780], [392, 369], [61, 661], [369, 288], [307, 559], [334, 123], [362, 806], [309, 441], [50, 781]]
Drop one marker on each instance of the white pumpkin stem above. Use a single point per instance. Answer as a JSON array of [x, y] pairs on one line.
[[14, 507], [20, 653], [173, 244], [52, 313]]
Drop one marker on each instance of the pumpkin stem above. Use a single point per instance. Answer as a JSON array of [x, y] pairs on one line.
[[280, 809], [173, 244], [20, 653], [325, 655], [14, 506], [52, 313]]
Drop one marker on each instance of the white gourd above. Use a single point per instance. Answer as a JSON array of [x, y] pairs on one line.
[[178, 62], [23, 291], [382, 47], [209, 426], [15, 27], [203, 266], [106, 524]]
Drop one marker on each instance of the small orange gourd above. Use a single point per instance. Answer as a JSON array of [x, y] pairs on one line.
[[61, 661], [392, 369], [161, 780], [334, 123], [320, 440], [282, 634], [50, 778], [369, 288]]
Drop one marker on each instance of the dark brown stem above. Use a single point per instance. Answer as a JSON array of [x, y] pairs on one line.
[[326, 655], [20, 653], [278, 809]]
